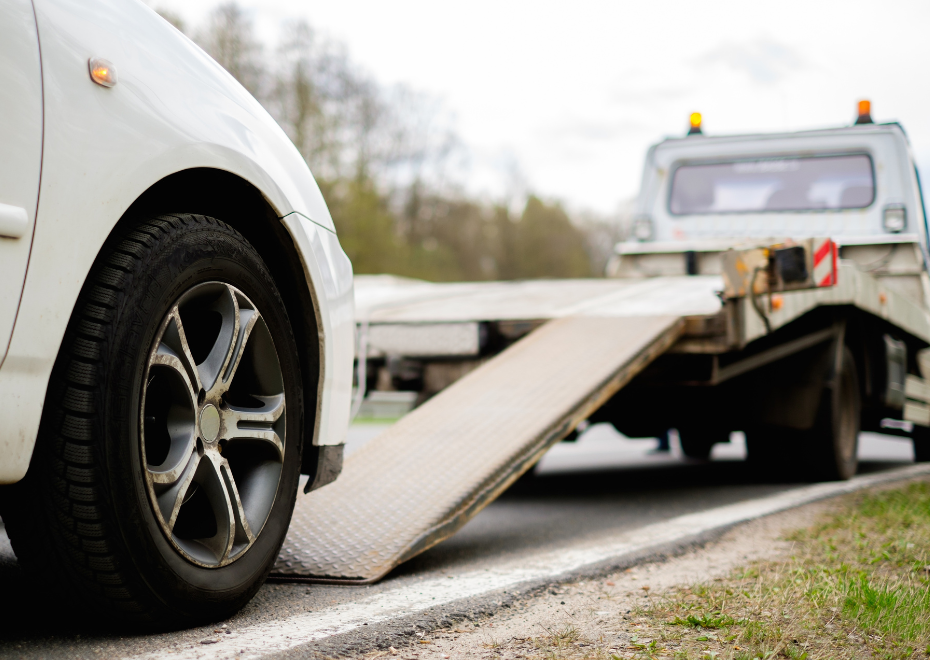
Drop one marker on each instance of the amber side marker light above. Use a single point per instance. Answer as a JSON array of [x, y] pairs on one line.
[[695, 124], [102, 71], [865, 112]]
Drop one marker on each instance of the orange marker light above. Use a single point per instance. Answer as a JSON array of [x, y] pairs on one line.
[[865, 112], [695, 124], [102, 71], [777, 302]]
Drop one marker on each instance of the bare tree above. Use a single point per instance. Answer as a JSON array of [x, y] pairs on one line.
[[229, 37], [315, 89], [380, 155]]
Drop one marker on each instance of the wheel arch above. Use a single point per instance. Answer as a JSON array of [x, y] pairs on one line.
[[237, 202]]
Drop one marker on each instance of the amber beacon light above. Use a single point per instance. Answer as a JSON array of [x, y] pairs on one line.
[[102, 71], [865, 112], [695, 128]]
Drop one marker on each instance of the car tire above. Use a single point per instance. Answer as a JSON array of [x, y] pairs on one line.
[[119, 425]]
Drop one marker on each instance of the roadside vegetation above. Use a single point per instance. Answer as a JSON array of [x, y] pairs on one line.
[[389, 164], [857, 585]]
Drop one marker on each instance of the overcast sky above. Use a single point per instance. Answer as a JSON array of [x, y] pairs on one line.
[[567, 96]]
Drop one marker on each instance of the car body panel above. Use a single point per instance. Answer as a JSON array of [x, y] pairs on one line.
[[324, 261], [172, 109], [21, 148]]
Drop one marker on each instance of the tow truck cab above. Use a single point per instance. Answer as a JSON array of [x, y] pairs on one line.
[[703, 198]]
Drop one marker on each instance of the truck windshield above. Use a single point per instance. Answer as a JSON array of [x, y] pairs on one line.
[[812, 183]]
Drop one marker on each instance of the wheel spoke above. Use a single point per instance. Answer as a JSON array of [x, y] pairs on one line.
[[246, 318], [227, 306], [175, 473], [243, 532], [257, 423], [173, 351], [171, 500], [172, 365], [214, 484]]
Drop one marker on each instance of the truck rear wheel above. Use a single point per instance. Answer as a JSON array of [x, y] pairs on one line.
[[834, 441], [920, 436], [827, 451]]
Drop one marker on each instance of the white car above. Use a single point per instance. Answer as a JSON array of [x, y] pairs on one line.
[[176, 315]]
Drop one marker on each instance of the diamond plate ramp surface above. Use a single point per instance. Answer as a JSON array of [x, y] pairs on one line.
[[427, 475]]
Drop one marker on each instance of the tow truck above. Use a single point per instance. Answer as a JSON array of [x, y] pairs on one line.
[[775, 284]]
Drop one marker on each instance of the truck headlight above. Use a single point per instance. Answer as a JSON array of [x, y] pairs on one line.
[[894, 218], [642, 228]]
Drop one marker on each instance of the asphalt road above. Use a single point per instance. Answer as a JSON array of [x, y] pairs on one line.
[[580, 491]]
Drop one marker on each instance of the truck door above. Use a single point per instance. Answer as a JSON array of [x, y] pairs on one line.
[[20, 152]]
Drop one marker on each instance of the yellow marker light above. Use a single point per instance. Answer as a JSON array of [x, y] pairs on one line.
[[102, 71], [695, 124]]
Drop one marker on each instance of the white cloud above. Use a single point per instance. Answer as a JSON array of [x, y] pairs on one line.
[[763, 60]]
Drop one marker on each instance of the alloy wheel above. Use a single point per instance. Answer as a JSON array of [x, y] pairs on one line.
[[212, 427]]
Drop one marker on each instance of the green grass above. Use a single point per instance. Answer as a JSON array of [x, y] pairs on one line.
[[857, 585], [705, 620]]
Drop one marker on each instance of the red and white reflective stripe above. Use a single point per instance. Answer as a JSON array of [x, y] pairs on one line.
[[824, 262]]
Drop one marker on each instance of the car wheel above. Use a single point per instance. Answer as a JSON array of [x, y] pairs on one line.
[[169, 451]]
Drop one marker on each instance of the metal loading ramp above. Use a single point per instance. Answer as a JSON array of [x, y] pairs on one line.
[[425, 477]]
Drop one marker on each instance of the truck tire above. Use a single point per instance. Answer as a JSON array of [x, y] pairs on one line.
[[826, 452], [836, 433], [169, 450], [920, 436], [697, 442]]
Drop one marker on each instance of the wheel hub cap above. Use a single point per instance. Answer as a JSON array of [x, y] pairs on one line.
[[209, 423]]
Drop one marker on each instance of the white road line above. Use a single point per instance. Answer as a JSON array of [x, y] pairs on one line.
[[276, 636]]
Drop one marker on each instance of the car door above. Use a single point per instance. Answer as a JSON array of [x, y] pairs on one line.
[[20, 152]]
